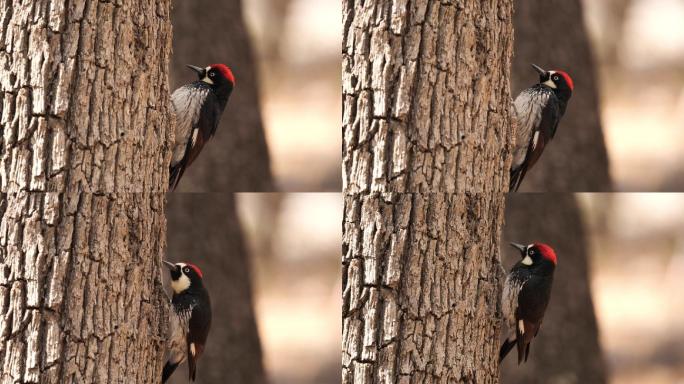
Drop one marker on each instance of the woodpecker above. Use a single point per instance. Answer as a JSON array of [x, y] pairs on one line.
[[190, 318], [525, 296], [538, 109], [198, 107]]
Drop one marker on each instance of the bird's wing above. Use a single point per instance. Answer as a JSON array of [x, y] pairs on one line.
[[536, 127]]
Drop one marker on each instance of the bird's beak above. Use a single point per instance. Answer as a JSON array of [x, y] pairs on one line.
[[519, 247], [170, 266], [200, 71], [538, 69]]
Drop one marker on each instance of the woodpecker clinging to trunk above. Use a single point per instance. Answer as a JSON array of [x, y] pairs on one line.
[[525, 296], [538, 110], [190, 318], [198, 107]]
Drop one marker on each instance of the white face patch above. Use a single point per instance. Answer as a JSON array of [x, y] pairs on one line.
[[183, 281], [206, 78], [527, 260], [549, 82]]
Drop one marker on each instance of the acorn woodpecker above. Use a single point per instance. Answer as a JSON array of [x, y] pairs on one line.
[[538, 110], [525, 296], [190, 318], [198, 107]]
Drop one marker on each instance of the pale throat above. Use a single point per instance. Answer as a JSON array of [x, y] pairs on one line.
[[181, 284], [206, 78], [549, 82]]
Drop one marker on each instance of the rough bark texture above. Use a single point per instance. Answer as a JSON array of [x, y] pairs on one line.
[[567, 349], [84, 95], [426, 95], [204, 229], [551, 33], [80, 290], [421, 293], [237, 158]]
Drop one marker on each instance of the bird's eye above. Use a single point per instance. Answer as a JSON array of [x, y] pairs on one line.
[[212, 74], [186, 270], [530, 252], [556, 78]]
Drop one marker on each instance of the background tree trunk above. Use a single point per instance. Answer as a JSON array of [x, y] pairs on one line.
[[84, 95], [567, 349], [204, 229], [80, 294], [551, 33], [421, 288], [426, 96], [237, 159]]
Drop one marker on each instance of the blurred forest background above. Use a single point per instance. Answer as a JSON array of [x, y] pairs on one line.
[[639, 50]]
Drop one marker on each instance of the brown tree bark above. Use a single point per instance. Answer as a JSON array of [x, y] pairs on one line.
[[84, 95], [551, 33], [567, 348], [84, 111], [237, 158], [426, 95], [80, 290], [421, 288], [204, 229]]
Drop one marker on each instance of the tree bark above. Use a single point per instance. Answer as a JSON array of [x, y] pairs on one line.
[[426, 96], [567, 349], [237, 159], [551, 33], [421, 288], [80, 289], [84, 110], [204, 229], [84, 95]]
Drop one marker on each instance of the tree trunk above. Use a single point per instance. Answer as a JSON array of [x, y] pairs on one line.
[[567, 349], [421, 288], [84, 112], [426, 96], [84, 95], [551, 33], [205, 230], [237, 159], [80, 293]]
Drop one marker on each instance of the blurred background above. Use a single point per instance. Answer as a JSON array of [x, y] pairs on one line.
[[281, 127], [616, 314], [271, 265], [639, 51]]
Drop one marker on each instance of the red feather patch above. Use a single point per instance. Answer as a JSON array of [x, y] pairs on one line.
[[567, 78], [547, 252], [225, 71]]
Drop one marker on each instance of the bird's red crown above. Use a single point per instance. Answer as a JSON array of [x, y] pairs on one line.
[[567, 78], [196, 269], [547, 252], [225, 71]]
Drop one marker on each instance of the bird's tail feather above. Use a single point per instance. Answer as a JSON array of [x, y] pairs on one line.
[[505, 348], [169, 367]]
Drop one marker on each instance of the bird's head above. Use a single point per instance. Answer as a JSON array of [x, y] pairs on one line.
[[183, 276], [536, 254], [559, 81], [218, 76]]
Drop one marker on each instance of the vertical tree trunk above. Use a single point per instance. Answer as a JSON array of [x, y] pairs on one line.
[[237, 159], [84, 95], [551, 33], [205, 230], [421, 287], [426, 95], [84, 116], [80, 288], [567, 349]]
